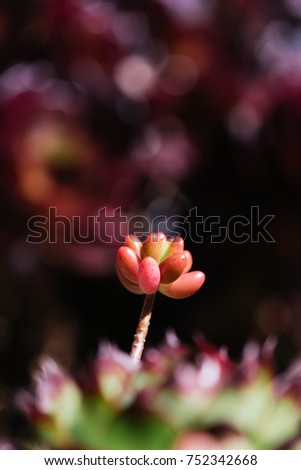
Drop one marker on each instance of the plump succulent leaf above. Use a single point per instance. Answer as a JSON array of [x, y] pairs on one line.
[[134, 243], [172, 267], [149, 275], [176, 245], [128, 263], [189, 261], [130, 286], [156, 246], [187, 285]]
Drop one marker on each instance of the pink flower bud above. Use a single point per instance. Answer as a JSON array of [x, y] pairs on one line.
[[172, 267], [187, 285], [128, 263], [149, 275], [156, 246]]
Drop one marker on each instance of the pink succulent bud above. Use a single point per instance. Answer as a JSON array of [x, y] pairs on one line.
[[149, 275], [157, 264]]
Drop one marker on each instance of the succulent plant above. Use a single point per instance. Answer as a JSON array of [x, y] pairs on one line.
[[158, 264], [178, 397]]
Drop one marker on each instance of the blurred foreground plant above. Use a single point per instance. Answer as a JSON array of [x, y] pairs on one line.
[[176, 398], [157, 264]]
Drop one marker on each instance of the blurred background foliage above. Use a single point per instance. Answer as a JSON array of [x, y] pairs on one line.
[[154, 106]]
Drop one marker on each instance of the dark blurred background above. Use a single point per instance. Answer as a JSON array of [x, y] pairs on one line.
[[155, 107]]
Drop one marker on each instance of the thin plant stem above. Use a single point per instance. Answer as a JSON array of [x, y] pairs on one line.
[[142, 328]]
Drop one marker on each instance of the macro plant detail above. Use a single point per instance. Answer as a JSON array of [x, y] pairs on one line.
[[157, 264], [115, 112]]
